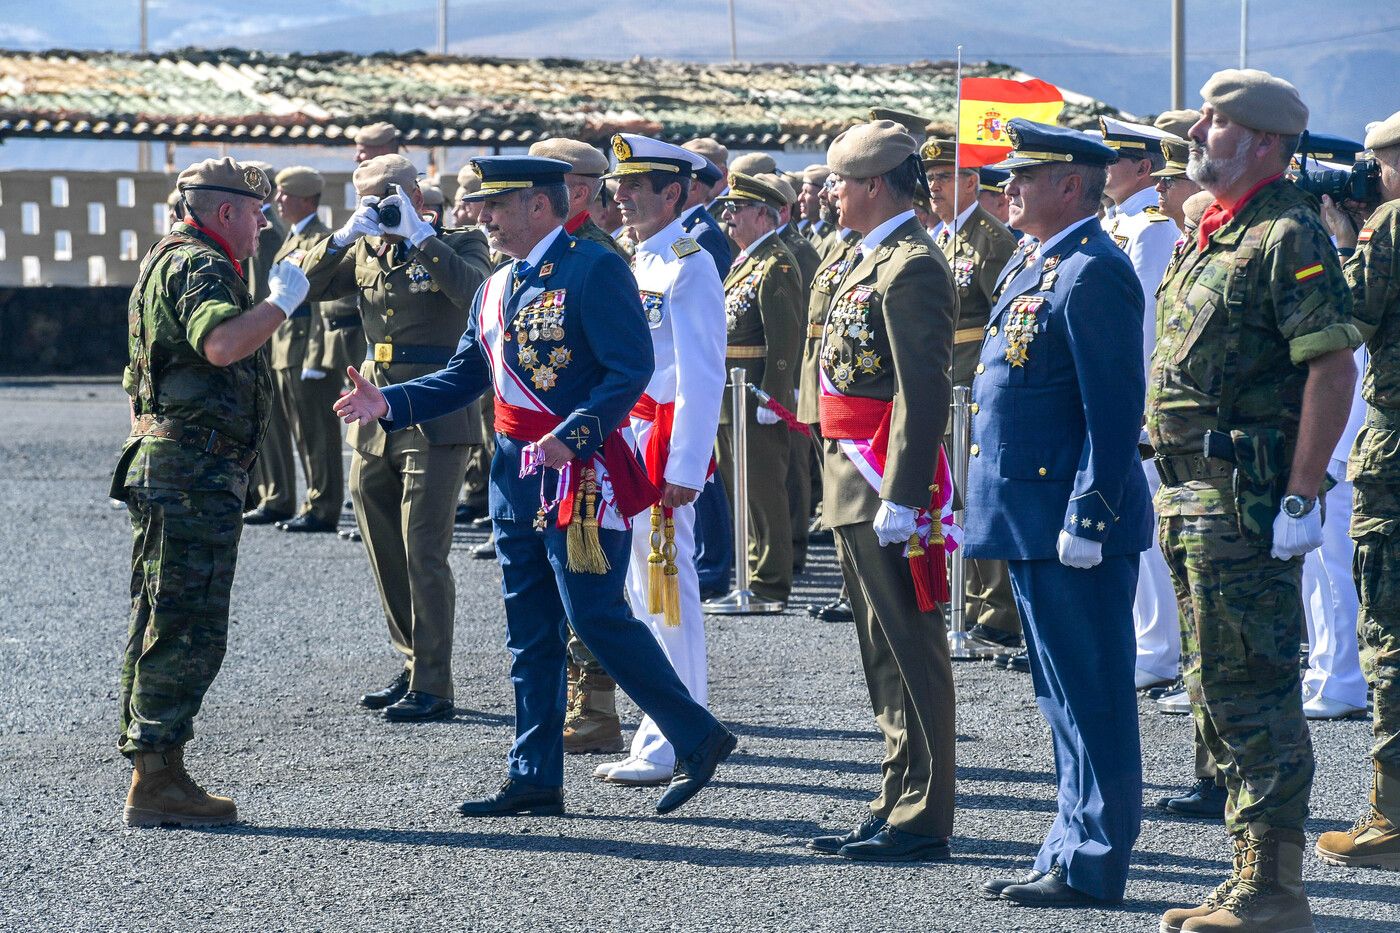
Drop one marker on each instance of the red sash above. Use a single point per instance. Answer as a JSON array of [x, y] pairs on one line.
[[662, 415], [852, 418]]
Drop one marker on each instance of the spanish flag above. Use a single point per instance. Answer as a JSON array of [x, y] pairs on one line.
[[985, 106]]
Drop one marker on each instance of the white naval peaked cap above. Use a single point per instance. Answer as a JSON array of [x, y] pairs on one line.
[[634, 154], [1134, 137]]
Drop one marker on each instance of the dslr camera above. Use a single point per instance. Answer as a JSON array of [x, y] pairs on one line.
[[389, 215], [1361, 182]]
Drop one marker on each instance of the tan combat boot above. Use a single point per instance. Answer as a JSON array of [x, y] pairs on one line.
[[1174, 918], [163, 794], [1374, 841], [592, 724], [574, 674], [1268, 898]]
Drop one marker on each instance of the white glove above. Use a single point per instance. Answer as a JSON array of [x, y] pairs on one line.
[[364, 222], [411, 227], [1294, 537], [1079, 553], [287, 286], [895, 523], [767, 415], [313, 374]]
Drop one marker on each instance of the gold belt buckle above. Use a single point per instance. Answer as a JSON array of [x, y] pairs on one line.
[[384, 353]]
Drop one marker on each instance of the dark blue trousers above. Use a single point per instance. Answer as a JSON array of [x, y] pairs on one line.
[[541, 594], [1079, 632], [714, 538]]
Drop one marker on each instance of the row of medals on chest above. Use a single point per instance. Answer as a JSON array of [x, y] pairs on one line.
[[1022, 317], [848, 322], [541, 320]]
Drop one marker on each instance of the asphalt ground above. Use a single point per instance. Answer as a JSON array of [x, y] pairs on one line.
[[349, 823]]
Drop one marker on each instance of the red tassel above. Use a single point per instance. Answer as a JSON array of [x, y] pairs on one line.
[[930, 572]]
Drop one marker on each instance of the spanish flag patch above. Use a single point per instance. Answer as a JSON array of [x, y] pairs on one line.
[[1308, 273], [1365, 235]]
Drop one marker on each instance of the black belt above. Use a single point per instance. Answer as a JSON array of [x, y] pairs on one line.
[[193, 435], [343, 322], [383, 353], [1177, 470], [1382, 419]]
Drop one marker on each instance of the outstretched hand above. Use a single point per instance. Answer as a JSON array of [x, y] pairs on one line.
[[364, 403]]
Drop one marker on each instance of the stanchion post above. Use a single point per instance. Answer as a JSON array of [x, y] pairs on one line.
[[961, 646]]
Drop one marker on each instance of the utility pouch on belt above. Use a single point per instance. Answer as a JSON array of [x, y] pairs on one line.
[[1258, 481]]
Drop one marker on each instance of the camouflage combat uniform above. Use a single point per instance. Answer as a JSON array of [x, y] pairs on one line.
[[1374, 275], [183, 473], [1237, 321]]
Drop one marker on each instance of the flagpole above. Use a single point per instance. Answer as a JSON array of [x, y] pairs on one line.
[[957, 162]]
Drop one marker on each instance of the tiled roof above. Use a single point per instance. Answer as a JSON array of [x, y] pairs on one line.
[[201, 95]]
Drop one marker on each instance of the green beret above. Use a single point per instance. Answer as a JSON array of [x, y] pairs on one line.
[[754, 163], [748, 189], [585, 159], [1177, 122], [709, 148], [377, 134], [1258, 100], [870, 149], [225, 175], [301, 181], [374, 176], [1384, 134]]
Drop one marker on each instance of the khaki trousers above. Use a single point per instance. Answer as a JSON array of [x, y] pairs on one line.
[[989, 599], [316, 432], [274, 472], [770, 528]]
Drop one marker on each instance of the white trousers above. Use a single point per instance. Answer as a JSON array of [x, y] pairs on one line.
[[1330, 604], [683, 644], [1156, 618]]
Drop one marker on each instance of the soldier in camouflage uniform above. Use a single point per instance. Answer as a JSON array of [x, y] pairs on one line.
[[200, 399], [1249, 390], [1373, 272]]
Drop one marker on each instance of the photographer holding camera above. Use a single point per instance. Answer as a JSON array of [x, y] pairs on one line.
[[1373, 273]]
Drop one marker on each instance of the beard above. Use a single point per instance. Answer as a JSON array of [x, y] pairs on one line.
[[1216, 172]]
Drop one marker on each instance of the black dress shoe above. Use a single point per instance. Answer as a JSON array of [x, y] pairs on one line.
[[517, 799], [817, 533], [995, 636], [1205, 800], [891, 844], [1020, 663], [262, 516], [1156, 693], [486, 550], [306, 522], [866, 829], [995, 886], [466, 514], [838, 610], [418, 707], [389, 695], [694, 771], [1049, 890]]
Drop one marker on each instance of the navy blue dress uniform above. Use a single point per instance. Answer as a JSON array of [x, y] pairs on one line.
[[1057, 408], [563, 334]]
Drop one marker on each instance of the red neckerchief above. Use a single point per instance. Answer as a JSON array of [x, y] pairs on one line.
[[1218, 215], [218, 241], [573, 223]]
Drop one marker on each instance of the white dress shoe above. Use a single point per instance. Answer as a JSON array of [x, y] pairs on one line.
[[1145, 680], [638, 772], [1174, 704], [1320, 707], [603, 770]]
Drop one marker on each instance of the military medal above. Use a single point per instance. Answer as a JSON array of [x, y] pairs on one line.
[[418, 278], [542, 319], [962, 273], [1020, 328], [654, 304], [849, 322]]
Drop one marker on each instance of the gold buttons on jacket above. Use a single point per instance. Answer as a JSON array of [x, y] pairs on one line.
[[980, 369], [974, 409], [388, 312], [992, 330], [1042, 471], [975, 450]]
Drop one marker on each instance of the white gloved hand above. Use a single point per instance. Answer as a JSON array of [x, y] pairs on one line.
[[287, 286], [411, 227], [895, 523], [313, 374], [1294, 537], [767, 415], [1079, 553], [364, 222]]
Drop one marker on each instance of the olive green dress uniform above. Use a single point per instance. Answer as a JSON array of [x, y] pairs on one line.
[[1236, 324], [833, 265], [977, 254], [909, 312], [763, 302], [414, 304], [275, 472], [590, 231], [306, 403], [801, 450], [808, 259]]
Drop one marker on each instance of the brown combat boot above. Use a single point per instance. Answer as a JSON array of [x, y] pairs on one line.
[[163, 794], [592, 724], [1173, 919], [1268, 898], [574, 674], [1374, 842]]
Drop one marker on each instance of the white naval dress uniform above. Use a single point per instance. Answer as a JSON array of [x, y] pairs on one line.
[[1148, 237], [1329, 593], [684, 300]]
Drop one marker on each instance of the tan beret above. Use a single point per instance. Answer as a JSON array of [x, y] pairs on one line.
[[468, 181], [1177, 122], [1384, 134], [585, 159], [377, 134], [779, 184], [1195, 206], [870, 149], [916, 125], [1258, 100], [225, 175], [173, 198], [815, 174], [709, 148], [374, 176], [748, 189], [432, 194], [301, 181], [754, 163]]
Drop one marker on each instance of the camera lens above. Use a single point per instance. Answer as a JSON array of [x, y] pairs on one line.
[[389, 215]]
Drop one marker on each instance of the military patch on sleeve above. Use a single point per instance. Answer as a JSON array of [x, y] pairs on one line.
[[684, 247], [1308, 273], [1122, 241], [1365, 235]]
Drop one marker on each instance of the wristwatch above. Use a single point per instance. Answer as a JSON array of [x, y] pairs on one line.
[[1297, 506]]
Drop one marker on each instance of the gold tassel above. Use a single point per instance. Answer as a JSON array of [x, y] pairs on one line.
[[584, 549], [672, 592], [655, 562]]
